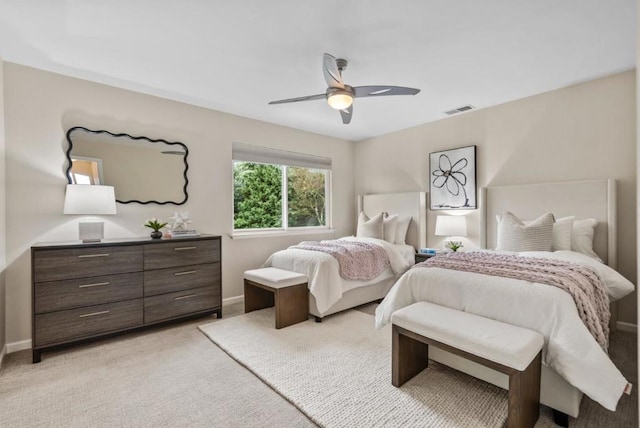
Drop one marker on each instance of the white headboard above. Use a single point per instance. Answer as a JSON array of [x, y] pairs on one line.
[[583, 199], [412, 204]]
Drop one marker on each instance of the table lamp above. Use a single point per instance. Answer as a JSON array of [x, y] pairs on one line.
[[451, 226], [88, 199]]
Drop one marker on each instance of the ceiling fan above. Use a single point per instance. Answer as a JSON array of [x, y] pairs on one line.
[[340, 96]]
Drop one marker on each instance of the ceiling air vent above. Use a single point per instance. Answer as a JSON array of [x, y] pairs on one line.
[[459, 109]]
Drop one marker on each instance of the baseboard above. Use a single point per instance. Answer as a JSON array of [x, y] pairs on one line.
[[232, 300], [18, 346], [627, 326]]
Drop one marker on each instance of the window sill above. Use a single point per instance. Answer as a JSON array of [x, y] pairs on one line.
[[280, 233]]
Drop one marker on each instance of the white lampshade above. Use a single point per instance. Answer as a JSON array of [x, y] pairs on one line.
[[450, 225], [89, 199]]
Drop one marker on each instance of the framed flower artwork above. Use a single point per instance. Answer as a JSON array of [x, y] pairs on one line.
[[452, 179]]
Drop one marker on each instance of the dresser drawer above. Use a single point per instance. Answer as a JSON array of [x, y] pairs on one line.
[[181, 253], [181, 278], [76, 293], [58, 327], [166, 306], [54, 265]]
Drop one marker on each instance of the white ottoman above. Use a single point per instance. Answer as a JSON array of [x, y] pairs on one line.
[[287, 291], [512, 350]]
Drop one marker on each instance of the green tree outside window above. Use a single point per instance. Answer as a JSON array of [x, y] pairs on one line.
[[258, 199], [257, 196], [306, 197]]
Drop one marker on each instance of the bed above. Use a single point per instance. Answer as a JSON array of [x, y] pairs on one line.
[[574, 362], [329, 293]]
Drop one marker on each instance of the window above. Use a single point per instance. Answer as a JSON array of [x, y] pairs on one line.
[[279, 190], [85, 170], [306, 190]]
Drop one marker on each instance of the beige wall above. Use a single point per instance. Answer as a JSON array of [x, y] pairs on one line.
[[3, 258], [586, 131], [41, 106]]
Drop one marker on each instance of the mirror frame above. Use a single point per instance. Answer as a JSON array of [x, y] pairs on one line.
[[102, 131]]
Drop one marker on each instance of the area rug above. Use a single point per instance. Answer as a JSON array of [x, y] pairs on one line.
[[338, 373]]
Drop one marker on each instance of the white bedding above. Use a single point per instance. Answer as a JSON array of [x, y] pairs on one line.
[[322, 269], [569, 348]]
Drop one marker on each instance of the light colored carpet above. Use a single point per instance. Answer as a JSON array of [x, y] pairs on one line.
[[171, 376], [339, 374], [174, 376]]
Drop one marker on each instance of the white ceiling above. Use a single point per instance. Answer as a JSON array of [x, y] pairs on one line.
[[235, 56]]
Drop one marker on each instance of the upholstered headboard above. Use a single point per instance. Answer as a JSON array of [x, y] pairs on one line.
[[582, 199], [413, 204]]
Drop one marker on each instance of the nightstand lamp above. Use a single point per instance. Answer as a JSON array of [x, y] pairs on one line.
[[89, 199], [451, 226]]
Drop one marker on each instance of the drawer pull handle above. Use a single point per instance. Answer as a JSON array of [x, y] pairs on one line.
[[184, 248], [95, 284], [86, 256], [188, 296], [188, 272], [93, 314]]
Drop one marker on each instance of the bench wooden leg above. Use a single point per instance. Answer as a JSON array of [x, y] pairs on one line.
[[256, 298], [524, 395], [292, 305], [408, 357]]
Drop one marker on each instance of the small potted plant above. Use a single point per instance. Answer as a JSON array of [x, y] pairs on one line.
[[453, 245], [155, 224]]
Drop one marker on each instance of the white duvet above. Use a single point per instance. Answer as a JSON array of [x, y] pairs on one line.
[[569, 347], [322, 270]]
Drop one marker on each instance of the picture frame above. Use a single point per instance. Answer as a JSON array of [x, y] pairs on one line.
[[452, 179]]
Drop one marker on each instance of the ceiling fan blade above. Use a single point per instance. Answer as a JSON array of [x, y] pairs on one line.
[[331, 72], [379, 91], [347, 114], [295, 100]]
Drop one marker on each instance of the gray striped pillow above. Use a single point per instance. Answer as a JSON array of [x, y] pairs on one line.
[[514, 235]]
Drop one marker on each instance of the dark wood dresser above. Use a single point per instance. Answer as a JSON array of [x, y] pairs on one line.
[[83, 291]]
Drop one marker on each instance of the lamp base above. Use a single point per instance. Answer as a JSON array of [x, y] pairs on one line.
[[91, 231]]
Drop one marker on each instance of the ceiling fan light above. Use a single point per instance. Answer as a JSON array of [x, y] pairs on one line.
[[340, 100]]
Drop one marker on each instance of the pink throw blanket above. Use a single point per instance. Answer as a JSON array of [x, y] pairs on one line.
[[581, 282], [358, 261]]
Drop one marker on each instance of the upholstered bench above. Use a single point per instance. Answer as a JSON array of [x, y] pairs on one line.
[[285, 290], [509, 349]]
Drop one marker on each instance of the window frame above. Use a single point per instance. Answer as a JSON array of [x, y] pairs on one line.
[[285, 229]]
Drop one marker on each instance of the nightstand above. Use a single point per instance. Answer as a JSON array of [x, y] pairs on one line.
[[421, 257]]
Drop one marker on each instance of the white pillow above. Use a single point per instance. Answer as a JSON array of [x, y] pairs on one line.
[[389, 227], [582, 237], [514, 235], [561, 234], [562, 230], [401, 230], [370, 227]]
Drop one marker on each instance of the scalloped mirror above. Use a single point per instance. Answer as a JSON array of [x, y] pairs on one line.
[[141, 170]]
